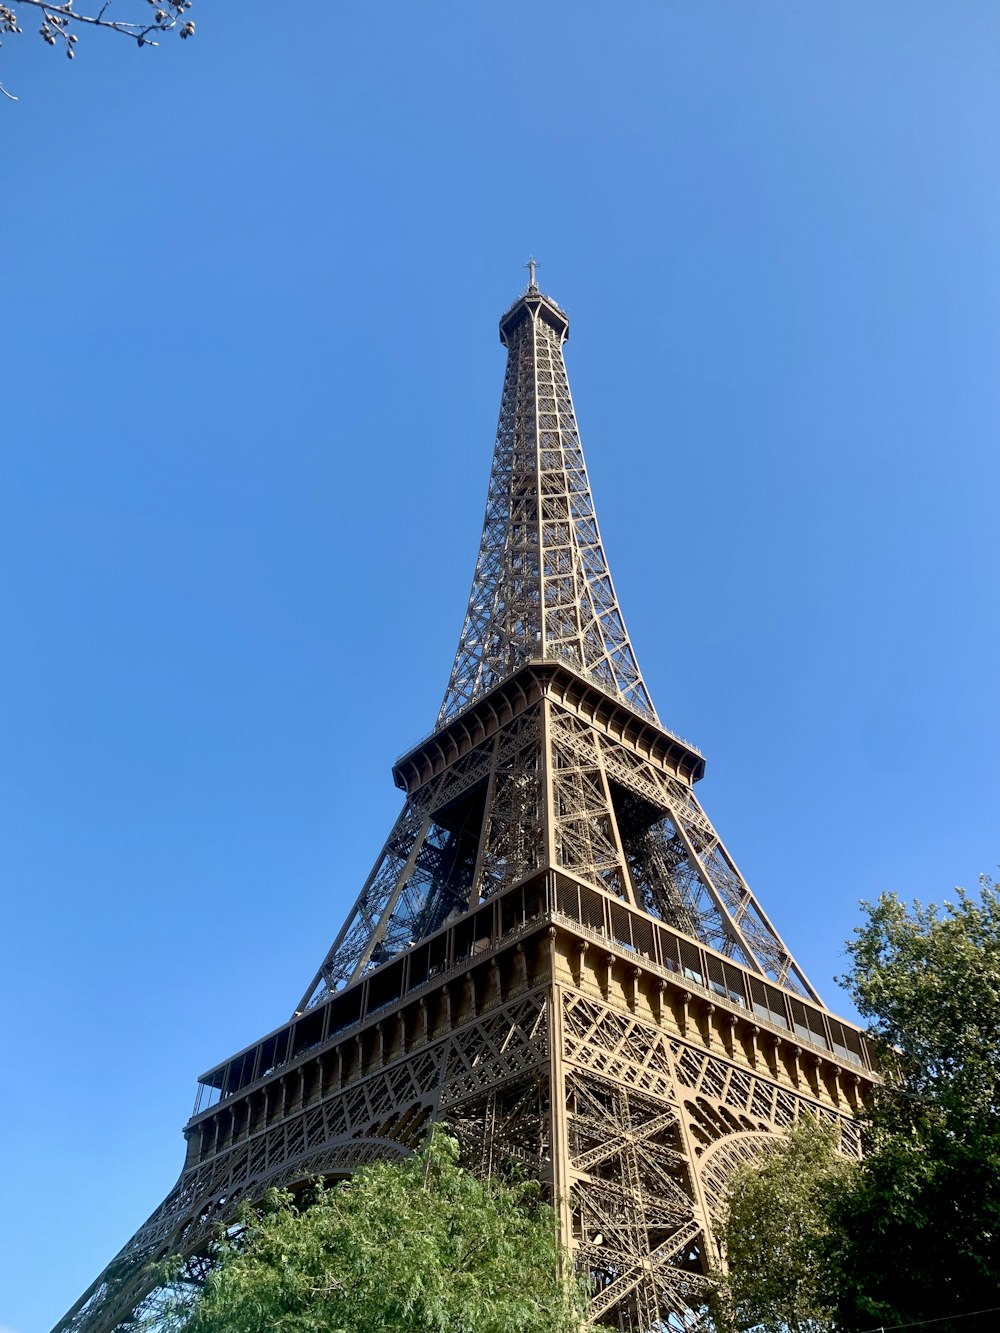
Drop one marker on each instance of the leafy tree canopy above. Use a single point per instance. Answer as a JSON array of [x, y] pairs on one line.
[[912, 1232], [928, 982], [777, 1235], [920, 1229], [419, 1245]]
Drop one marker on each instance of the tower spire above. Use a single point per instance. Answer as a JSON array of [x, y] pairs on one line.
[[541, 590]]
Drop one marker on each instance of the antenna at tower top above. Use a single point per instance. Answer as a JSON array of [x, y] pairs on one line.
[[531, 266]]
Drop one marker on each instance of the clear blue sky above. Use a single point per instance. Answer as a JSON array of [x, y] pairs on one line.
[[250, 380]]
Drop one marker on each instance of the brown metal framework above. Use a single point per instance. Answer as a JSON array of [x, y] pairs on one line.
[[554, 952]]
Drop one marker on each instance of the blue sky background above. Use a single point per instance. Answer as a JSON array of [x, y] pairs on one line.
[[250, 371]]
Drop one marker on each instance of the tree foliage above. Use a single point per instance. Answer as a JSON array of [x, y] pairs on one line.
[[144, 21], [921, 1228], [777, 1234], [928, 982], [912, 1232], [420, 1245]]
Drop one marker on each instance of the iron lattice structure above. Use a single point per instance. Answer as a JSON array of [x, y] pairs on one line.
[[542, 588], [554, 951]]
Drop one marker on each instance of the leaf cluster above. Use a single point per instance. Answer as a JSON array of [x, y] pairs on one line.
[[921, 1228], [928, 981], [912, 1232], [400, 1247], [778, 1234]]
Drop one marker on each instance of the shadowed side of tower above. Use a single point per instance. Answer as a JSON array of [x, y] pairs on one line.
[[554, 951]]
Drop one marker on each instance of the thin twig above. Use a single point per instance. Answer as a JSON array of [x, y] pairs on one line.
[[137, 31]]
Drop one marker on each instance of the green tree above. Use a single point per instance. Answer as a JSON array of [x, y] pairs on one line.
[[777, 1235], [912, 1232], [418, 1246], [920, 1229]]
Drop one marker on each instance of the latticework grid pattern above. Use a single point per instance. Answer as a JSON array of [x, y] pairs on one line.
[[541, 587]]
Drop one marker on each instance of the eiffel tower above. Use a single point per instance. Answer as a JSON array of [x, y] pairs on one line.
[[554, 952]]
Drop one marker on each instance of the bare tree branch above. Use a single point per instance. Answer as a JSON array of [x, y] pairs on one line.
[[60, 20]]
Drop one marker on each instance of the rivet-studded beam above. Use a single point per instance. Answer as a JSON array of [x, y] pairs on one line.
[[541, 588]]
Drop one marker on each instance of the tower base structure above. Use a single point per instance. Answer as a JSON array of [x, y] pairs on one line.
[[625, 1065]]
